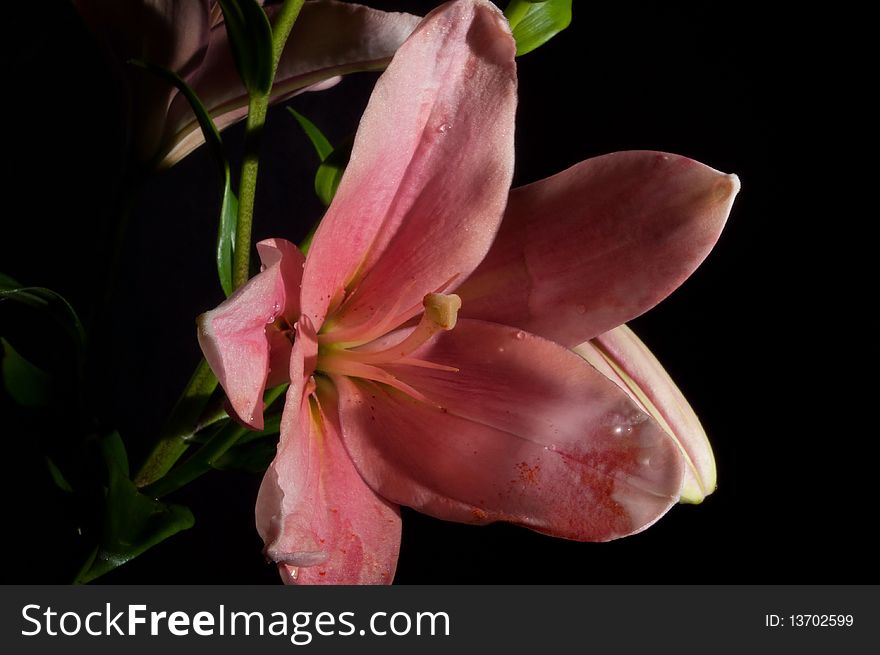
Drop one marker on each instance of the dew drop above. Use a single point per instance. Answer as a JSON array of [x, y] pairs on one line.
[[443, 128], [622, 425], [501, 349], [520, 335]]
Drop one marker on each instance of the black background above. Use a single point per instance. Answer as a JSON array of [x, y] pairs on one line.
[[763, 339]]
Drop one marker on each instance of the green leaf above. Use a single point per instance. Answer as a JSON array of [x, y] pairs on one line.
[[229, 201], [250, 458], [133, 522], [226, 235], [333, 161], [253, 452], [27, 384], [57, 477], [330, 171], [535, 23], [47, 303], [250, 36], [7, 282], [319, 141]]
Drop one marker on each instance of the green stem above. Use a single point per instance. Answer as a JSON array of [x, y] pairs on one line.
[[179, 429], [281, 29], [185, 415], [204, 459], [247, 190], [256, 118]]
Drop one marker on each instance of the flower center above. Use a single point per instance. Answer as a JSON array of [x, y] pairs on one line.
[[336, 355]]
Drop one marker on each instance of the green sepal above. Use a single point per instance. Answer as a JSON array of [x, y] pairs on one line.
[[133, 522], [535, 23], [250, 36]]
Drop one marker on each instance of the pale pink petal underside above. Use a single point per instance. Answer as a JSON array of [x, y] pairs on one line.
[[320, 522], [238, 337], [525, 431], [598, 244], [623, 358], [424, 191], [329, 39]]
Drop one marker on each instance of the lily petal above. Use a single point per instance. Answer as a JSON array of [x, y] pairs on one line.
[[320, 522], [623, 358], [525, 432], [424, 192], [329, 39], [598, 244], [234, 336]]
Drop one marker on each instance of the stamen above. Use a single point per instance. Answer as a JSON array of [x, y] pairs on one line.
[[343, 365], [423, 363], [441, 313], [351, 337]]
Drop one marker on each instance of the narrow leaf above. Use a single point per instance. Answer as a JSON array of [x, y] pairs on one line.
[[250, 36], [250, 458], [253, 452], [330, 171], [226, 235], [7, 282], [229, 201], [133, 522], [319, 141], [47, 302], [26, 383], [333, 160], [535, 23], [57, 477]]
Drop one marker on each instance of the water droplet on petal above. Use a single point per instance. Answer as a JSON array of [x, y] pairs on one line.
[[443, 128], [520, 335], [500, 349]]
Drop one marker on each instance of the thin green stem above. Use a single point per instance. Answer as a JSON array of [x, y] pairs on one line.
[[258, 105], [281, 29], [247, 190], [179, 429], [182, 424]]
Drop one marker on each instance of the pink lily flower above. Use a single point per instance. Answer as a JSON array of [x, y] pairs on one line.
[[329, 39], [428, 342]]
